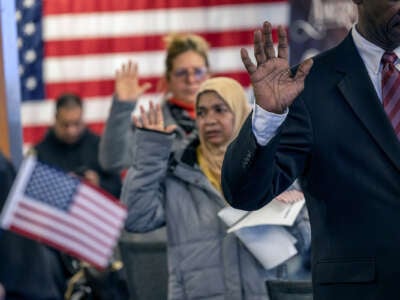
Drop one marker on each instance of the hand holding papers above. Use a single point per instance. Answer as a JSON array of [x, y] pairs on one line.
[[258, 230], [283, 210]]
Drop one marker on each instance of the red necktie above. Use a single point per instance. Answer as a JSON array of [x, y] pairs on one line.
[[391, 90]]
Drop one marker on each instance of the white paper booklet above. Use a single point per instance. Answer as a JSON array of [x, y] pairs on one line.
[[274, 213], [260, 230], [271, 245]]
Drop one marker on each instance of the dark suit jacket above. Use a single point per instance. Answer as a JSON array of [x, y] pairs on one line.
[[338, 140]]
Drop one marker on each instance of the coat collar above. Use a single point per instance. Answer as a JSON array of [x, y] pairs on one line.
[[358, 90], [52, 138], [185, 166]]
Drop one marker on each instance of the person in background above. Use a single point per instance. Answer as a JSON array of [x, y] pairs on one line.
[[334, 123], [182, 190], [186, 67], [28, 270], [71, 146], [7, 174]]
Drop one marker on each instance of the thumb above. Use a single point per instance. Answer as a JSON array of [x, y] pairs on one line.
[[303, 70], [145, 87], [170, 128]]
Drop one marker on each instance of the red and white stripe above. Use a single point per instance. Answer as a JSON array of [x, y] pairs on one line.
[[86, 41]]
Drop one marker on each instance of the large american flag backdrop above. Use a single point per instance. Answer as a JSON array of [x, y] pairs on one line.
[[75, 45]]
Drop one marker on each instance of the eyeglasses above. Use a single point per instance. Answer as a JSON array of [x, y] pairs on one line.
[[197, 72]]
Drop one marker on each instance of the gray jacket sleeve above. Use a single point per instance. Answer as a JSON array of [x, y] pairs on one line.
[[143, 190], [116, 142]]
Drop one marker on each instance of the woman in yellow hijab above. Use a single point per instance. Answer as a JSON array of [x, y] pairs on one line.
[[221, 110], [182, 190]]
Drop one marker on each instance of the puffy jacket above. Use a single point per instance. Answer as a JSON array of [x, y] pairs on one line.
[[204, 262]]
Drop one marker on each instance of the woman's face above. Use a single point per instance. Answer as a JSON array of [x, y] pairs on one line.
[[189, 70], [214, 119]]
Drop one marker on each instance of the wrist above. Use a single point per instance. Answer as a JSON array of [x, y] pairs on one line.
[[125, 98], [272, 109]]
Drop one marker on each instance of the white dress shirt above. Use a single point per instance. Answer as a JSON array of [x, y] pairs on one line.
[[265, 124]]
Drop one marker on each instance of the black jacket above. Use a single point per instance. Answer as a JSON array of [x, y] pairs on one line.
[[338, 140], [77, 158]]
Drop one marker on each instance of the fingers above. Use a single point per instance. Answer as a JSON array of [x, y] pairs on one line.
[[303, 70], [159, 115], [127, 69], [155, 115], [258, 48], [144, 88], [302, 73], [264, 47], [283, 47], [151, 119], [291, 196], [267, 40], [137, 121], [170, 128], [248, 64], [127, 86], [143, 117], [152, 114], [132, 68], [281, 199]]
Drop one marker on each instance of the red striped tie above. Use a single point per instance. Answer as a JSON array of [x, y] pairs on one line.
[[391, 90]]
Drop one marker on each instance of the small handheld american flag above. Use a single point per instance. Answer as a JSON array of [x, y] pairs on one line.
[[64, 212]]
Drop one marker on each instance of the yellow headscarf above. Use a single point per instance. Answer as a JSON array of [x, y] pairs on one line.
[[210, 157]]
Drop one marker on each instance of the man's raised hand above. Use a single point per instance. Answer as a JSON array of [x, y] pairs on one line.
[[275, 87]]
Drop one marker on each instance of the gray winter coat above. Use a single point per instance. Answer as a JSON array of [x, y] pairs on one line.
[[203, 261]]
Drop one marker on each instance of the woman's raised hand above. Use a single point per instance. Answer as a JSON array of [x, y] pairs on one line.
[[275, 87], [127, 87], [152, 119]]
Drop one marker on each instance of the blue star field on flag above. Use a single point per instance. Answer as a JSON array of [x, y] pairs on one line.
[[30, 48], [51, 186]]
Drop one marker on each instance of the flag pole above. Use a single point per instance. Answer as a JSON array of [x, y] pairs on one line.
[[10, 95]]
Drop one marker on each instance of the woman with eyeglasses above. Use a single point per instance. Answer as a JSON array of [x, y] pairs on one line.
[[187, 67]]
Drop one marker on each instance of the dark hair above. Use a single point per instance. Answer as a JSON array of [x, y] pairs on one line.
[[68, 100], [177, 44]]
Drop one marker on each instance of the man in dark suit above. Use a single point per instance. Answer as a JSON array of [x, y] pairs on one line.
[[335, 126]]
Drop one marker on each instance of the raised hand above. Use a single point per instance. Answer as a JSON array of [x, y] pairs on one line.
[[275, 87], [127, 86], [153, 119]]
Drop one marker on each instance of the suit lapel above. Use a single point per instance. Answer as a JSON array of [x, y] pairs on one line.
[[359, 92]]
